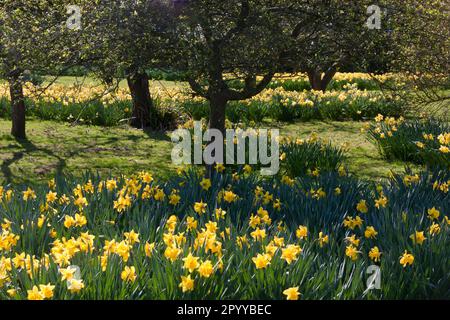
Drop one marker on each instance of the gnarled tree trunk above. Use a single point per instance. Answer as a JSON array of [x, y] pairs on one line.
[[318, 82], [218, 106], [17, 108], [217, 117], [144, 114]]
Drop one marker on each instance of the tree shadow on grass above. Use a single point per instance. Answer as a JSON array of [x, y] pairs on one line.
[[28, 148], [158, 135], [96, 144]]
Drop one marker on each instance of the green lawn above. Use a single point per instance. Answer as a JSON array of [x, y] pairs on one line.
[[363, 160], [58, 147], [90, 81]]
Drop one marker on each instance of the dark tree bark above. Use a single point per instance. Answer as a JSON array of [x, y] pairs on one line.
[[318, 82], [217, 116], [144, 114], [217, 113], [17, 108]]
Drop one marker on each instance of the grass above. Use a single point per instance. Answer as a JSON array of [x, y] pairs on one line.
[[56, 148], [69, 80], [363, 158], [60, 148]]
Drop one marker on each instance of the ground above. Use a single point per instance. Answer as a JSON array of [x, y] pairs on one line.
[[56, 147], [59, 147], [363, 158]]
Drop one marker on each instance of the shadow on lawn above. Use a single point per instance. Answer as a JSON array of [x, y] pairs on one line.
[[28, 147], [158, 135]]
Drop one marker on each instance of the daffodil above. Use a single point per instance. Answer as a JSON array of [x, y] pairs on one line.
[[433, 213], [406, 259], [292, 293], [289, 254], [187, 284], [352, 252], [258, 234], [362, 206], [51, 197], [323, 239], [128, 274], [191, 223], [434, 229], [75, 285], [205, 184], [261, 261], [46, 290], [418, 237], [229, 196], [132, 237], [35, 294], [302, 232], [370, 232], [29, 194], [375, 254], [205, 269], [191, 263], [200, 207], [172, 253], [67, 273], [148, 248]]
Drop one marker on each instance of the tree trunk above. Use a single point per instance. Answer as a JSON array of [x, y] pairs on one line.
[[217, 116], [217, 113], [17, 108], [315, 78], [318, 82], [144, 114]]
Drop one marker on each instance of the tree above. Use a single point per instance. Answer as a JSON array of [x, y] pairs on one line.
[[123, 40], [33, 39], [420, 31], [239, 39], [334, 34]]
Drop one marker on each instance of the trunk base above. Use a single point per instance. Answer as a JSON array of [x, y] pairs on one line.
[[143, 109], [17, 109]]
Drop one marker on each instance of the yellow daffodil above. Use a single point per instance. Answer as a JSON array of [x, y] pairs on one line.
[[302, 232], [289, 254], [190, 263], [418, 237], [205, 184], [205, 269], [433, 213], [261, 261], [292, 293], [375, 254], [75, 285], [362, 206], [406, 259], [128, 274], [187, 284], [200, 207], [370, 232]]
